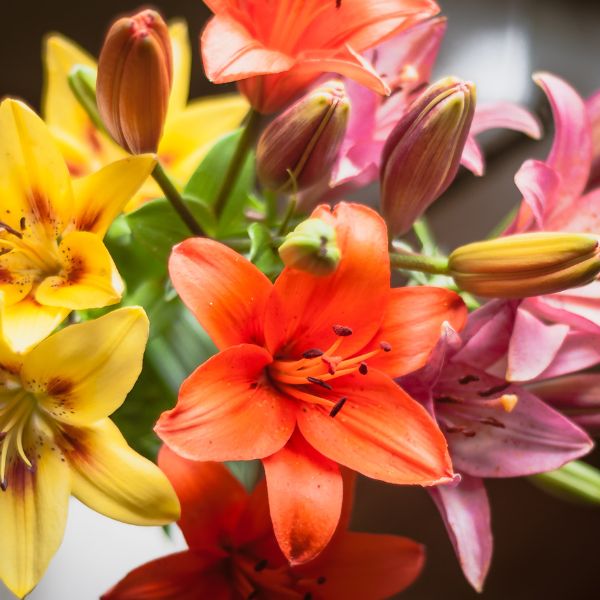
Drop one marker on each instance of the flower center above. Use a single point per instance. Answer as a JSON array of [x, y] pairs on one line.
[[302, 378]]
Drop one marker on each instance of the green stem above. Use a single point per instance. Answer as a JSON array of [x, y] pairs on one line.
[[244, 144], [424, 235], [289, 213], [437, 265], [174, 197]]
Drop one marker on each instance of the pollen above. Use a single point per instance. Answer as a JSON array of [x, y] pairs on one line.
[[509, 401]]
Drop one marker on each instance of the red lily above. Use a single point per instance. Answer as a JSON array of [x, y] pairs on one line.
[[233, 553], [304, 376], [276, 49]]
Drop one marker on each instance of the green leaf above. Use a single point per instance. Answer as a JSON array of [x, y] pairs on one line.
[[262, 250], [205, 183], [156, 227], [575, 482], [247, 472]]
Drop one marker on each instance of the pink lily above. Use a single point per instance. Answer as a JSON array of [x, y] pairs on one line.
[[494, 429], [405, 62]]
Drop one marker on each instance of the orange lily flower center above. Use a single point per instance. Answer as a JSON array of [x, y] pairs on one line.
[[317, 368]]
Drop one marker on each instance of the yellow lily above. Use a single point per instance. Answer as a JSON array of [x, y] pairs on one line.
[[56, 439], [52, 258], [189, 132]]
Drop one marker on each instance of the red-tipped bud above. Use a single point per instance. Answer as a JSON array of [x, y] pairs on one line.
[[300, 146], [422, 154], [135, 73]]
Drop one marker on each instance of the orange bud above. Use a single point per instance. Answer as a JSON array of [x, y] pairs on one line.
[[135, 73]]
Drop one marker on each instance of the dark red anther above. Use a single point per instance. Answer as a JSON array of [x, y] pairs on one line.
[[3, 485], [338, 3], [493, 422], [468, 379], [321, 580], [11, 230], [22, 223], [342, 330], [337, 407], [320, 382], [494, 390], [385, 346], [312, 353], [261, 565], [363, 369], [308, 596]]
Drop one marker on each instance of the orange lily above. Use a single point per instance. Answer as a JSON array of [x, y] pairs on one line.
[[52, 258], [233, 552], [304, 377], [276, 49]]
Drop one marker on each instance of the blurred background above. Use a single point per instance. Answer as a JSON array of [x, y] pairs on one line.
[[544, 547]]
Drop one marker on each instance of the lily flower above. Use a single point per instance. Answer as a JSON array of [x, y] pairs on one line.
[[52, 259], [303, 379], [406, 62], [275, 50], [494, 429], [56, 440], [189, 131], [233, 552]]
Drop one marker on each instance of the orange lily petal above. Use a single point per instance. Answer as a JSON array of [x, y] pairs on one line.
[[26, 323], [305, 498], [309, 306], [363, 565], [89, 277], [227, 410], [202, 272], [412, 326], [182, 576], [211, 498], [380, 432], [230, 52]]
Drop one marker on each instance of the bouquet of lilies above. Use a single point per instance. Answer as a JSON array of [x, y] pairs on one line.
[[197, 327]]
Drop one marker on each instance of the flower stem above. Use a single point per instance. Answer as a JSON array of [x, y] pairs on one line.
[[174, 197], [424, 235], [237, 160], [438, 265]]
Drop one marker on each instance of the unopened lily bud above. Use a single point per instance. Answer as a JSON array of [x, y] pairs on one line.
[[300, 146], [311, 247], [422, 154], [524, 265], [134, 81]]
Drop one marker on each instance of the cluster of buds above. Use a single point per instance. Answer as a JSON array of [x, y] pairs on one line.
[[300, 146], [524, 265], [135, 74], [422, 154]]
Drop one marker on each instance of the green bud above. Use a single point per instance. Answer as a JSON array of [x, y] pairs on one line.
[[311, 247]]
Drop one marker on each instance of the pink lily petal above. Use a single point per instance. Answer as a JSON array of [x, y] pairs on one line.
[[465, 510], [472, 156], [583, 216], [571, 152], [533, 346], [539, 185], [486, 441], [579, 351], [505, 115], [592, 106]]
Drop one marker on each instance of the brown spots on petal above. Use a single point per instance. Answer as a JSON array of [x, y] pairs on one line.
[[41, 207], [59, 387], [88, 221]]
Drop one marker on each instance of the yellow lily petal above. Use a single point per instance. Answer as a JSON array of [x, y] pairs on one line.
[[84, 372], [190, 133], [15, 281], [89, 278], [182, 66], [112, 479], [33, 513], [100, 197], [26, 323], [34, 180]]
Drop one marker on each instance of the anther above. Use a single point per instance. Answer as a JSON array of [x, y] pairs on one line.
[[308, 596], [320, 382], [321, 580], [385, 346], [22, 223], [468, 379], [10, 230], [363, 369], [3, 485], [260, 565], [337, 407], [342, 330], [312, 353], [493, 422]]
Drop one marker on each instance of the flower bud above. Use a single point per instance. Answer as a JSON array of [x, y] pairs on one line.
[[422, 154], [311, 247], [524, 265], [300, 146], [134, 80]]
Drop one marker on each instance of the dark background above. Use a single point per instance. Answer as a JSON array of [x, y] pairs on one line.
[[544, 548]]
